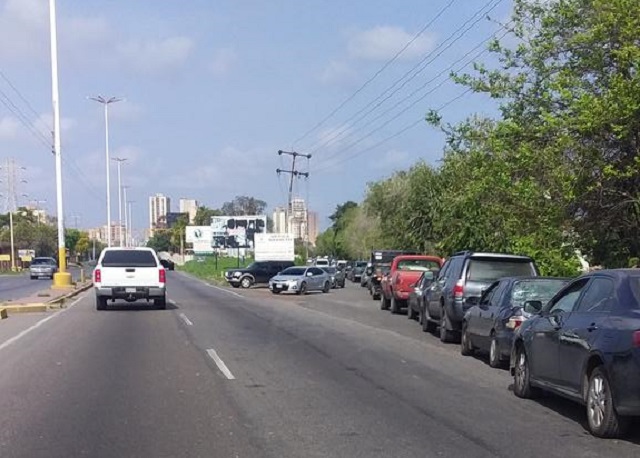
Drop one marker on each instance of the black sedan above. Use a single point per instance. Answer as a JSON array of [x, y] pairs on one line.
[[585, 345], [503, 307]]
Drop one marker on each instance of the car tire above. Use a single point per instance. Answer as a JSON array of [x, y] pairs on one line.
[[427, 324], [466, 347], [384, 303], [246, 282], [160, 303], [101, 303], [395, 307], [327, 287], [273, 291], [446, 335], [602, 418], [495, 358], [411, 314], [235, 285], [302, 290], [522, 377], [33, 277]]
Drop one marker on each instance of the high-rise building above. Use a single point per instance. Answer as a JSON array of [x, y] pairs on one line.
[[159, 206], [100, 234], [297, 221], [313, 227], [279, 220], [189, 206]]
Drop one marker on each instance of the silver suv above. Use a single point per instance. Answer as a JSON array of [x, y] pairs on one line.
[[43, 267], [460, 283]]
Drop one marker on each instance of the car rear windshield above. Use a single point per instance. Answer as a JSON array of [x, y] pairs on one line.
[[330, 270], [418, 265], [40, 261], [129, 258], [535, 290], [362, 264], [293, 271], [488, 270]]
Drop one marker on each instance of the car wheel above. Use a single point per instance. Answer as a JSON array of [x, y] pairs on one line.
[[466, 348], [101, 303], [235, 285], [395, 307], [384, 303], [327, 287], [33, 277], [522, 377], [446, 335], [246, 282], [603, 419], [427, 324], [160, 303], [273, 291], [411, 314], [302, 290], [495, 357]]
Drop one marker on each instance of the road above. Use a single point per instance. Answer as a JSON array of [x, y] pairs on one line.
[[246, 374], [17, 286]]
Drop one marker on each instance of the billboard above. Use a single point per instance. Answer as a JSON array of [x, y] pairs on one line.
[[237, 231], [274, 247], [201, 237]]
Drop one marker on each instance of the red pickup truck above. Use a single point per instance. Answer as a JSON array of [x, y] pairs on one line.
[[399, 282]]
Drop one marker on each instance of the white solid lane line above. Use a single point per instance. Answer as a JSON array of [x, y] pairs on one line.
[[221, 365], [17, 337], [186, 320]]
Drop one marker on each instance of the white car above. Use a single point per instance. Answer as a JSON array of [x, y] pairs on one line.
[[301, 280], [131, 274]]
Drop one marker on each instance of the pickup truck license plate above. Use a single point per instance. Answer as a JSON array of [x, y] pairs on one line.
[[130, 290]]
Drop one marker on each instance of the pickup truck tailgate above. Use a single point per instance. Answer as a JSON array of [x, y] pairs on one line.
[[130, 276]]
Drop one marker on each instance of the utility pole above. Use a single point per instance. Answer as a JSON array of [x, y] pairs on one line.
[[120, 160], [294, 174]]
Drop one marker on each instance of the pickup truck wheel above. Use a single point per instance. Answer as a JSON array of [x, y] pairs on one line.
[[101, 303], [246, 282], [160, 304], [395, 308], [235, 285], [33, 277], [384, 303]]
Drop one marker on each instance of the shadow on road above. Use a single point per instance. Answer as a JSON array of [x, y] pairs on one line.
[[136, 307]]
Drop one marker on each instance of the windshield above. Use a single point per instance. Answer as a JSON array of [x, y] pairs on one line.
[[419, 265], [128, 258], [330, 270], [43, 261], [361, 264], [293, 271], [535, 290], [489, 270]]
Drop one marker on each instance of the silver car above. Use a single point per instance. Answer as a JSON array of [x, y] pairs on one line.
[[301, 280], [43, 267]]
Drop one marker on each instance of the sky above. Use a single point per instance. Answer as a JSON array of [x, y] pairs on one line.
[[213, 89]]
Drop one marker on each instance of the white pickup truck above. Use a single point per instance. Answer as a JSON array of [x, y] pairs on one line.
[[131, 274]]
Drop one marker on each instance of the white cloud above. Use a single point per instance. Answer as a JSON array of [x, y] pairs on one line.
[[224, 59], [124, 111], [393, 159], [383, 42], [9, 128], [337, 72], [156, 56]]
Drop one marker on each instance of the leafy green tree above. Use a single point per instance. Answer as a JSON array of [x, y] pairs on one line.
[[204, 214], [160, 241], [244, 205]]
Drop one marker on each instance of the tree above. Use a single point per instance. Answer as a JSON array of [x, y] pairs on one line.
[[160, 241], [244, 205], [71, 237], [204, 214]]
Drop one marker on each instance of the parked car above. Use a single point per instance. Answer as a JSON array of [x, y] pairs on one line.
[[168, 264], [322, 262], [355, 274], [380, 265], [259, 272], [338, 279], [301, 280], [366, 275], [504, 306], [585, 345], [416, 297], [42, 267], [404, 272], [460, 283]]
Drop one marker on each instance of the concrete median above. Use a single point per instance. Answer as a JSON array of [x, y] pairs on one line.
[[43, 301]]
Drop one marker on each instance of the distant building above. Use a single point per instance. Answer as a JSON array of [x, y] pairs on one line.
[[99, 234], [297, 221], [159, 206], [314, 227], [189, 206], [279, 220]]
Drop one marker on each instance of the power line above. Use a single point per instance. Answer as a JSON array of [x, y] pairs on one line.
[[24, 119], [24, 100], [411, 73], [375, 75], [391, 137]]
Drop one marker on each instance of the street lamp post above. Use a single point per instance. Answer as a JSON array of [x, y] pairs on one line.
[[62, 278], [120, 160], [129, 203], [106, 102], [126, 220]]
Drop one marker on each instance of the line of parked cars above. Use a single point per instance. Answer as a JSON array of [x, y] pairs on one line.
[[575, 337]]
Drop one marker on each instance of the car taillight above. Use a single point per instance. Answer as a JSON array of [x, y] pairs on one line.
[[515, 322], [163, 276], [97, 276], [636, 339], [458, 290]]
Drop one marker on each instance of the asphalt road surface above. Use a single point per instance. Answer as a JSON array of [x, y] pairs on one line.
[[247, 374], [17, 286]]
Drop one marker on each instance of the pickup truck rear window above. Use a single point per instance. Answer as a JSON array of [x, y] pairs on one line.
[[129, 258], [418, 265]]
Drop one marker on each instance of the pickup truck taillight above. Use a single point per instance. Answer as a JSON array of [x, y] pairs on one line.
[[458, 290], [97, 276], [162, 276]]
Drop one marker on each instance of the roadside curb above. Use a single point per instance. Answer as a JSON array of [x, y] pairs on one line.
[[34, 307], [3, 313], [58, 301]]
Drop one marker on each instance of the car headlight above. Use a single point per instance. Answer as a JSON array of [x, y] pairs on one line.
[[236, 274]]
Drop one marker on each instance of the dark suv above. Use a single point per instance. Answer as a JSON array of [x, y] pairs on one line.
[[259, 272], [461, 282]]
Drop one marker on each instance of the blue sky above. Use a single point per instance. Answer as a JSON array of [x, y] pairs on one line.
[[214, 89]]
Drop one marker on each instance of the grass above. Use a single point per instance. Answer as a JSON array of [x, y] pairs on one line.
[[208, 270]]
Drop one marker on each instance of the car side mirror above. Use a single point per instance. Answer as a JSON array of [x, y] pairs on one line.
[[532, 306]]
